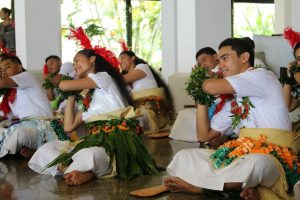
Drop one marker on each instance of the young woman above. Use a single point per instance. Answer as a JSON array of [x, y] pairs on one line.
[[151, 95], [24, 99], [113, 147], [291, 79], [7, 32]]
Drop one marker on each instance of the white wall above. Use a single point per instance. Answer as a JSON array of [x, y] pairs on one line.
[[189, 25], [38, 31], [286, 14]]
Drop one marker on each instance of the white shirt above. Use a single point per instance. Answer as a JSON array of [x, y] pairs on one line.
[[145, 83], [106, 97], [31, 101], [265, 93]]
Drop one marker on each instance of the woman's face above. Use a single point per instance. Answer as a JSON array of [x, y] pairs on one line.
[[83, 65], [297, 56], [3, 15], [126, 62]]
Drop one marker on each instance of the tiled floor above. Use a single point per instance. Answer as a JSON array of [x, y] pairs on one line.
[[17, 181]]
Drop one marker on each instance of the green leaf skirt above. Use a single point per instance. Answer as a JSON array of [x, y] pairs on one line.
[[121, 140]]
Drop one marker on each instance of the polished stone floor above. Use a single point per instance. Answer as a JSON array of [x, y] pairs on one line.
[[17, 181]]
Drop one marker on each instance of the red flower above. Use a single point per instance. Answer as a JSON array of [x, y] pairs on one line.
[[86, 102]]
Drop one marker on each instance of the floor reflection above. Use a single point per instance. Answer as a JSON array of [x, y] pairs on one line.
[[17, 181]]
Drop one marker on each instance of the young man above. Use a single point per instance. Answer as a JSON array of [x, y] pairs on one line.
[[264, 92], [184, 127], [207, 57], [262, 89]]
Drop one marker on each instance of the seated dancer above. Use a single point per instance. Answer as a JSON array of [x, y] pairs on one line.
[[51, 69], [290, 78], [54, 72], [184, 127], [150, 93], [113, 146], [24, 99], [258, 103]]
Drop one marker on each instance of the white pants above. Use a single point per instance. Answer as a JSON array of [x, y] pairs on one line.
[[252, 170], [92, 159], [22, 137]]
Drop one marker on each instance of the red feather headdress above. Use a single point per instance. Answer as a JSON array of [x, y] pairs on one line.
[[123, 45], [85, 42], [292, 36]]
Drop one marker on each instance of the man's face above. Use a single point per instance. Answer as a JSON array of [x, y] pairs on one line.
[[9, 68], [230, 63], [53, 65], [208, 61]]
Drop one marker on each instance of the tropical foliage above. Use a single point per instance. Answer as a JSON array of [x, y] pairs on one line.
[[106, 23], [253, 18]]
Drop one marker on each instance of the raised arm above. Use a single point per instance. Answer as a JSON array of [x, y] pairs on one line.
[[78, 84], [72, 120], [134, 75], [7, 83], [204, 132], [217, 87]]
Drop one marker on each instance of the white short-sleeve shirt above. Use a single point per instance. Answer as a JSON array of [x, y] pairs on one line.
[[31, 101], [145, 83], [265, 93], [106, 97]]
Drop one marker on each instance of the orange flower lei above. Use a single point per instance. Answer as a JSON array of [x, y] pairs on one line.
[[227, 152]]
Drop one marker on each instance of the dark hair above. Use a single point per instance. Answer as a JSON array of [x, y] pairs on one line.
[[101, 65], [13, 59], [240, 46], [251, 42], [159, 81], [206, 50], [6, 10], [297, 46], [52, 56]]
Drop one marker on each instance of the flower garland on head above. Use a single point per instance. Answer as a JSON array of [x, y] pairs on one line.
[[8, 96], [233, 149], [85, 42]]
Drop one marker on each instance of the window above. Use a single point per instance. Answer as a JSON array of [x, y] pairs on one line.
[[253, 17]]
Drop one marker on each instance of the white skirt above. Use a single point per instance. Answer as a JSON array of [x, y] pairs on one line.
[[92, 159], [195, 167]]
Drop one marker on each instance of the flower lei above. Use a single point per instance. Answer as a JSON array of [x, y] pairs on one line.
[[87, 100], [113, 126], [47, 83], [240, 113], [8, 95], [194, 85], [233, 149]]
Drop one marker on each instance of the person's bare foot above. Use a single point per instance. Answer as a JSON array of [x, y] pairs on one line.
[[26, 152], [250, 193], [78, 178], [175, 184]]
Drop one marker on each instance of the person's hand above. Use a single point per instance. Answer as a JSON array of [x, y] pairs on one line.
[[55, 80], [3, 73]]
